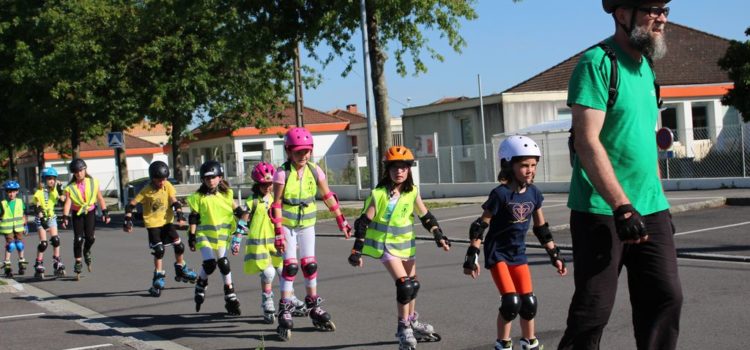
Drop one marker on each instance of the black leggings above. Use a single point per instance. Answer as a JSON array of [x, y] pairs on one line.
[[653, 282], [83, 233]]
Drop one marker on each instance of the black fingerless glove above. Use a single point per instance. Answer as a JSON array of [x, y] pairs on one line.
[[191, 241], [472, 258], [631, 228], [356, 252], [554, 256]]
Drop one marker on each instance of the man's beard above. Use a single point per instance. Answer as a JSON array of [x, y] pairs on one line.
[[652, 46]]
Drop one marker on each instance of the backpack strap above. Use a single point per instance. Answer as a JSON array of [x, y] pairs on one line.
[[254, 205], [613, 77]]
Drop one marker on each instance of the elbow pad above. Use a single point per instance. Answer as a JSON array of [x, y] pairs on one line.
[[476, 230], [429, 221], [194, 218], [129, 208], [331, 200], [271, 213], [543, 233], [360, 226]]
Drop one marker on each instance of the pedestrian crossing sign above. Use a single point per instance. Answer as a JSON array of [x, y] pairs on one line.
[[114, 139]]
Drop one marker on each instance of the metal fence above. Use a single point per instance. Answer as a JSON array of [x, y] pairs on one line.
[[697, 153]]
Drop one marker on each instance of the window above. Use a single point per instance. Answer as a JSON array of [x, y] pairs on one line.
[[564, 114], [355, 146], [669, 120], [252, 147], [467, 137], [278, 156], [700, 122], [398, 138]]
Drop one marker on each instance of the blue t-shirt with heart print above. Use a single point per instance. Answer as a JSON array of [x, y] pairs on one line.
[[511, 217]]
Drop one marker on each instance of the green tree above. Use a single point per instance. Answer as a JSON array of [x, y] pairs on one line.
[[736, 62]]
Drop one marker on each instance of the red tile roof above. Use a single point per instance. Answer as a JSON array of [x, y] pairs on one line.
[[691, 58], [351, 117]]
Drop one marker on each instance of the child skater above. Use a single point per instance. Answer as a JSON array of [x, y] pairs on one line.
[[214, 218], [160, 207], [507, 212], [81, 196], [293, 214], [13, 226], [385, 231], [45, 198]]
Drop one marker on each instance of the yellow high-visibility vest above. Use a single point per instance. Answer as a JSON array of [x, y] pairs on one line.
[[395, 234]]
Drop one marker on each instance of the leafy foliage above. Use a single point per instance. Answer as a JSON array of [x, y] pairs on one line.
[[736, 62]]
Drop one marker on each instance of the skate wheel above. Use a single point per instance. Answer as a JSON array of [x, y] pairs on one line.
[[325, 326], [429, 338], [155, 292], [78, 277], [284, 334], [269, 318]]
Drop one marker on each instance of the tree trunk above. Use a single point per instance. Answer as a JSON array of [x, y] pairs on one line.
[[39, 151], [122, 161], [379, 88], [12, 171], [75, 139], [176, 159]]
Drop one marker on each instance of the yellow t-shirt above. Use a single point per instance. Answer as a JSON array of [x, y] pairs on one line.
[[156, 209]]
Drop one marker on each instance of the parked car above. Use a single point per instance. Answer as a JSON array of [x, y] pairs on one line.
[[135, 186]]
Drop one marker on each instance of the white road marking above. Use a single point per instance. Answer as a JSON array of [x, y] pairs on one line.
[[24, 315], [712, 228], [91, 347]]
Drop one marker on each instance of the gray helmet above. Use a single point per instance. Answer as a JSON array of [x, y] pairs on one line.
[[158, 170], [612, 5], [211, 168], [76, 165]]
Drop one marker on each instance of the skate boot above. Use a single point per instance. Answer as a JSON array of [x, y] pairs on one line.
[[22, 263], [184, 274], [8, 271], [405, 335], [157, 284], [284, 330], [530, 344], [200, 293], [268, 308], [88, 259], [504, 344], [39, 269], [320, 318], [78, 268], [424, 332], [231, 303], [300, 309], [58, 266]]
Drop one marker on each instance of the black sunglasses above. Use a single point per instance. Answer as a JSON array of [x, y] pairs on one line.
[[655, 11]]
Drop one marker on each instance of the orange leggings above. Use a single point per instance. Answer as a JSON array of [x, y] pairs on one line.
[[512, 278]]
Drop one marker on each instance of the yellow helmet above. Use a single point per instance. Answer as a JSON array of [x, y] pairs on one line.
[[399, 154]]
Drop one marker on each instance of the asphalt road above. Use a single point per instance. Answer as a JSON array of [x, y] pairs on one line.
[[110, 308]]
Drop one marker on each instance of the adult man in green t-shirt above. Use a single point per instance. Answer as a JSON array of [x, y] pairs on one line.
[[619, 214]]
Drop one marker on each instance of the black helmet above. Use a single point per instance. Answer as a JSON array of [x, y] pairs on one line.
[[158, 170], [612, 5], [211, 168], [76, 165]]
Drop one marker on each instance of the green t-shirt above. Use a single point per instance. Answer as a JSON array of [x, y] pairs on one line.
[[628, 134]]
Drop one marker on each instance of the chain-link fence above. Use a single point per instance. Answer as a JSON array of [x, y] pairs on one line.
[[697, 153]]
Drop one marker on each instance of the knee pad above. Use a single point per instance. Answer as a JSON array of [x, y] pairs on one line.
[[157, 250], [528, 306], [179, 248], [10, 247], [404, 290], [416, 287], [194, 218], [290, 269], [209, 266], [19, 245], [509, 306], [55, 241], [42, 246], [267, 275], [309, 267], [224, 267]]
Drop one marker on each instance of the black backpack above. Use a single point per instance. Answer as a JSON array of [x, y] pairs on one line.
[[612, 91]]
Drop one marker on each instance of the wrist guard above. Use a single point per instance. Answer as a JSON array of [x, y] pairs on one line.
[[129, 208], [176, 206], [356, 252], [105, 213], [476, 230], [239, 212], [472, 258], [127, 224], [429, 221], [360, 226], [543, 234], [554, 255], [438, 236], [179, 215]]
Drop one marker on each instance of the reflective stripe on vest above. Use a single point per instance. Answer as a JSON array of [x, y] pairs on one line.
[[90, 189], [298, 208], [259, 243], [397, 234], [217, 221], [12, 218], [48, 205]]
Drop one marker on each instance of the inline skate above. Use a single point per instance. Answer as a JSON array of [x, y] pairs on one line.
[[424, 332], [157, 284], [184, 274], [284, 330], [268, 308], [320, 318]]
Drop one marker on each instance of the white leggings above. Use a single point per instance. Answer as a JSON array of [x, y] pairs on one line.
[[304, 239], [210, 254]]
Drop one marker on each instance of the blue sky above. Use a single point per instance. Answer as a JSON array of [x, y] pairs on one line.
[[507, 44]]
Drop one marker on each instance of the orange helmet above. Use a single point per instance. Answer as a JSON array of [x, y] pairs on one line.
[[399, 154]]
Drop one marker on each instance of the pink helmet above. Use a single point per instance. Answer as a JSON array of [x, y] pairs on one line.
[[298, 138], [263, 172]]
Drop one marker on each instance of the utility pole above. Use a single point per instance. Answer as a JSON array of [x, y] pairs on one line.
[[371, 133], [298, 102]]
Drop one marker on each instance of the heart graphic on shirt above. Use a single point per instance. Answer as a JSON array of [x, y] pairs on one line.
[[521, 211]]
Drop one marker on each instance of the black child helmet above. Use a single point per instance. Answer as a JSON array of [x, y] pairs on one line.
[[158, 170], [76, 165], [211, 168]]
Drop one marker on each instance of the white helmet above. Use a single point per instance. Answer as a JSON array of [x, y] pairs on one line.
[[518, 146]]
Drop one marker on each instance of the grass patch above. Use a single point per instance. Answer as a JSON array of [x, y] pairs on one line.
[[355, 212], [2, 283], [435, 205]]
